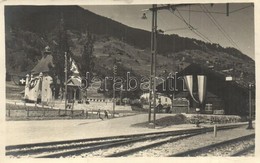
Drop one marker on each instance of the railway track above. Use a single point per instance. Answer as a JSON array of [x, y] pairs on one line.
[[82, 147], [150, 145], [245, 151], [221, 148]]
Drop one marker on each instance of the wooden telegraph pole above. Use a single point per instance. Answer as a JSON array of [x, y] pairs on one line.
[[152, 68], [154, 51], [66, 80], [114, 91], [152, 89], [250, 125]]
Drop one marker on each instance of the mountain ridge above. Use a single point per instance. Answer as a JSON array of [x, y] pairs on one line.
[[27, 23]]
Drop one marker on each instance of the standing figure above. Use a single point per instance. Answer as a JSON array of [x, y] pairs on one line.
[[98, 113], [106, 114], [159, 106]]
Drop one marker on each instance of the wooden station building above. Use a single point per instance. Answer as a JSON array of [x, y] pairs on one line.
[[223, 95]]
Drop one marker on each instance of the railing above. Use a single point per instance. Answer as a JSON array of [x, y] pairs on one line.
[[25, 111]]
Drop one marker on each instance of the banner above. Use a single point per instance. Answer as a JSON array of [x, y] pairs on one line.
[[202, 83], [33, 89], [189, 83]]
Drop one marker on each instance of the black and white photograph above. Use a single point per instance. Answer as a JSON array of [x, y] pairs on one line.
[[129, 80]]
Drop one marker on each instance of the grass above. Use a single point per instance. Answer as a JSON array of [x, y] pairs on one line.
[[182, 119], [13, 91], [215, 119]]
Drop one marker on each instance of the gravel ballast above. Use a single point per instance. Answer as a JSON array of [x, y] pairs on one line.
[[194, 142]]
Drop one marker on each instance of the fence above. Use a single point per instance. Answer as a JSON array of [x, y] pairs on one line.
[[44, 113], [25, 111], [92, 105]]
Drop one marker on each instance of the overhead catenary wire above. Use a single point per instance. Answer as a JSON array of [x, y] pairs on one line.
[[191, 28], [242, 8], [175, 29], [217, 12], [195, 31], [164, 24], [167, 24], [189, 14], [209, 14], [213, 12], [219, 27]]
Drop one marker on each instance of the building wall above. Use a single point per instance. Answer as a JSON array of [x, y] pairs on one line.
[[46, 91], [163, 99], [236, 101], [180, 105]]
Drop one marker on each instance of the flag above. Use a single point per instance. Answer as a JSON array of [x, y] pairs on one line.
[[73, 67], [33, 82], [32, 89], [22, 81]]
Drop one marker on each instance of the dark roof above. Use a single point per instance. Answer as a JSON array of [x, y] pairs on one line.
[[214, 77], [43, 65], [196, 69], [201, 70]]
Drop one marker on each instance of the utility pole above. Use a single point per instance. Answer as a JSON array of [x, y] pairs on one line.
[[152, 90], [121, 89], [154, 51], [250, 125], [152, 93], [151, 72], [114, 91], [87, 84], [66, 80]]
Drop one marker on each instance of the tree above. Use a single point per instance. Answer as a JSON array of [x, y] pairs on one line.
[[60, 47], [87, 61]]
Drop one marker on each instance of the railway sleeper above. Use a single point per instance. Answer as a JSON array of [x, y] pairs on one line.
[[197, 151]]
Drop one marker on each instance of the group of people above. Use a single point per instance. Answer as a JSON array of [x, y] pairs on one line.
[[105, 113]]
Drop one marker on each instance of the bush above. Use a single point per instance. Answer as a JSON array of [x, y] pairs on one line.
[[172, 120], [137, 103], [138, 108], [218, 119], [144, 101], [166, 121]]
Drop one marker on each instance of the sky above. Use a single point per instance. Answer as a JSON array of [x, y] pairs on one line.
[[235, 30]]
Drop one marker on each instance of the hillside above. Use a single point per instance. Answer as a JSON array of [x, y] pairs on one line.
[[29, 29]]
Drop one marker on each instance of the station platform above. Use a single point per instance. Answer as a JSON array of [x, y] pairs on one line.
[[27, 132]]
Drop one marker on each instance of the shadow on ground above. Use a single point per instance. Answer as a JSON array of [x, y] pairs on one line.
[[165, 121]]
